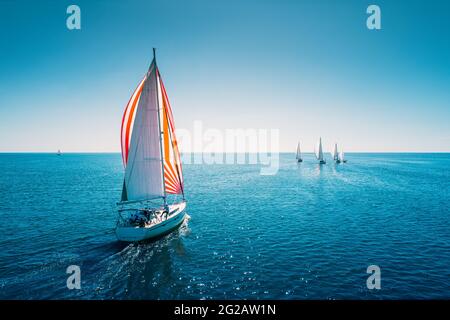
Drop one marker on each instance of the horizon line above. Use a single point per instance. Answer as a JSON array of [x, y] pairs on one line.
[[223, 152]]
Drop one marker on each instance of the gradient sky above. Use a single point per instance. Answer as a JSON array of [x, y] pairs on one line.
[[308, 68]]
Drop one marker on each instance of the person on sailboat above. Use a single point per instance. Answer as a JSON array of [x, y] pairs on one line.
[[147, 213], [137, 219]]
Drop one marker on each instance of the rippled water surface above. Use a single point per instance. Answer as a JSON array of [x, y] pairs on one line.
[[308, 232]]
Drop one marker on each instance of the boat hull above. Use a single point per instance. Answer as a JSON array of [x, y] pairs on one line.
[[135, 234]]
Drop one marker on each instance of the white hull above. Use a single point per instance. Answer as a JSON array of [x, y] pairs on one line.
[[136, 233]]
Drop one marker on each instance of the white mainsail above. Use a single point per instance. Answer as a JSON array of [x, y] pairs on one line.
[[341, 156], [149, 146], [318, 151], [335, 153], [299, 153], [143, 173]]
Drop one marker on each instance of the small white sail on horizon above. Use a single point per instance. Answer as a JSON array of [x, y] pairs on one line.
[[341, 157], [319, 152], [335, 153], [299, 153]]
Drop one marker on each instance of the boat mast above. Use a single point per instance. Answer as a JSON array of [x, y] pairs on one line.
[[159, 126]]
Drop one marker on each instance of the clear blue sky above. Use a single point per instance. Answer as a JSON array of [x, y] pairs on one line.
[[308, 68]]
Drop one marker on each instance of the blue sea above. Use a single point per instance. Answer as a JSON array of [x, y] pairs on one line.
[[308, 232]]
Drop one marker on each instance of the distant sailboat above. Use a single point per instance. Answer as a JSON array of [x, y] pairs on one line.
[[341, 157], [152, 164], [335, 154], [59, 152], [319, 152], [299, 153]]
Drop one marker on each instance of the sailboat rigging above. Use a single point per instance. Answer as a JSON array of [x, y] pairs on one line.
[[152, 161]]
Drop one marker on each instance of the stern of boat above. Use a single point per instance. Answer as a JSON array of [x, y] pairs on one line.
[[176, 217]]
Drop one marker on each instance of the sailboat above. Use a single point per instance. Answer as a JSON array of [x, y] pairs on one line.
[[335, 154], [299, 153], [341, 157], [153, 172], [319, 152], [59, 152]]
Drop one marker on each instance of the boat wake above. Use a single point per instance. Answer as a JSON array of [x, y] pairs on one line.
[[147, 265]]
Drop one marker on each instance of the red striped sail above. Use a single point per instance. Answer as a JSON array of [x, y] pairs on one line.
[[171, 166], [173, 176], [128, 120]]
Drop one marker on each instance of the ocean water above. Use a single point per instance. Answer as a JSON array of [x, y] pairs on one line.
[[308, 232]]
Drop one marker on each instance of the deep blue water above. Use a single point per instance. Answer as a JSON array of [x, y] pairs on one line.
[[305, 233]]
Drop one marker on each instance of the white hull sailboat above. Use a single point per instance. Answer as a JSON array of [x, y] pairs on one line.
[[299, 153], [153, 172], [319, 152], [161, 226], [335, 154]]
